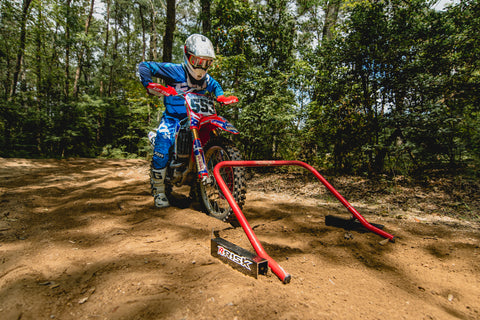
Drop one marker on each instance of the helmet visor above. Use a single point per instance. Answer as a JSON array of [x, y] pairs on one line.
[[200, 63]]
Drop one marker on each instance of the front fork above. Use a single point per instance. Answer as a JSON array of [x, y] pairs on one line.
[[200, 157]]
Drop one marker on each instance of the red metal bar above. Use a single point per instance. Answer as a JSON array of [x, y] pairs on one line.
[[276, 268]]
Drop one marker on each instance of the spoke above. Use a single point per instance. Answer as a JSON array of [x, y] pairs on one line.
[[216, 198]]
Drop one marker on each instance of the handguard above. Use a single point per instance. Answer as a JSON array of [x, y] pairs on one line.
[[227, 100], [157, 89]]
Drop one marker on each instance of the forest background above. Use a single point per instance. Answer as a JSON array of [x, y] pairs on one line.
[[353, 86]]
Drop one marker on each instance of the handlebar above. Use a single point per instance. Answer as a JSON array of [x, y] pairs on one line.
[[157, 89]]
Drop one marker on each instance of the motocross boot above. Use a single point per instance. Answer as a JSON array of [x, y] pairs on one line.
[[157, 182]]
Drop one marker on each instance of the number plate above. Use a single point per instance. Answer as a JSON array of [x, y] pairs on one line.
[[201, 104]]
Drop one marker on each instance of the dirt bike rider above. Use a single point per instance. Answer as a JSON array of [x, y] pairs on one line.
[[191, 74]]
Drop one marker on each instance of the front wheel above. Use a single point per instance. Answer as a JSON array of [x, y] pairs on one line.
[[213, 201]]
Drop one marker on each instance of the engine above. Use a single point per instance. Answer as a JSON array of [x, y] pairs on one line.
[[183, 144]]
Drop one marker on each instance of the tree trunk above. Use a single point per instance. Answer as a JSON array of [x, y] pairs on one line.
[[21, 46], [169, 29], [144, 41], [38, 57], [331, 16], [82, 50], [114, 51], [206, 17], [67, 52], [105, 49], [153, 37]]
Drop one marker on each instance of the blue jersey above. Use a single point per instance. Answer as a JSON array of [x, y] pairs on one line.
[[175, 76]]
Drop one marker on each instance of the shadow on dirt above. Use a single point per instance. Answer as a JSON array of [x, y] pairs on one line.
[[81, 239], [338, 241]]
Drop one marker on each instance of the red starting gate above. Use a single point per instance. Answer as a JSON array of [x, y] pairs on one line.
[[276, 268]]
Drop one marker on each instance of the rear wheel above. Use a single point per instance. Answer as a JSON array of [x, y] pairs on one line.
[[213, 201]]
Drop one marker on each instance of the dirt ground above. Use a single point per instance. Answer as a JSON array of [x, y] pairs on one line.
[[80, 239]]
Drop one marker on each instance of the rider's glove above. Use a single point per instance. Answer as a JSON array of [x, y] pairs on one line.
[[157, 89], [227, 100]]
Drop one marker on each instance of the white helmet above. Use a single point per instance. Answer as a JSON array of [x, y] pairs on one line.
[[198, 55]]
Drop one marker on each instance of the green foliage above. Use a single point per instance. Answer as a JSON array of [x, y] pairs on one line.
[[259, 43], [392, 99], [392, 87]]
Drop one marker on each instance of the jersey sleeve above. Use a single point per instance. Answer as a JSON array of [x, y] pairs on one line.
[[213, 86], [164, 70]]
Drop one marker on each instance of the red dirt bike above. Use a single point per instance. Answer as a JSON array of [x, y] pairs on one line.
[[198, 147]]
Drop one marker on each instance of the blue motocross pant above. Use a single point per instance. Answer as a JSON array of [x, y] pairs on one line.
[[164, 140]]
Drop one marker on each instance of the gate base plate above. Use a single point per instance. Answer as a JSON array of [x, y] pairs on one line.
[[239, 258]]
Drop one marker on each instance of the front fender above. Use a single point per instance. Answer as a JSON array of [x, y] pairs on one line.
[[219, 122]]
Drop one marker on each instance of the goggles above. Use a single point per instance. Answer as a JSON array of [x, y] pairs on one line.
[[200, 63]]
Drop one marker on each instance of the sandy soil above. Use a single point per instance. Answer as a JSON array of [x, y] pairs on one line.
[[80, 239]]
